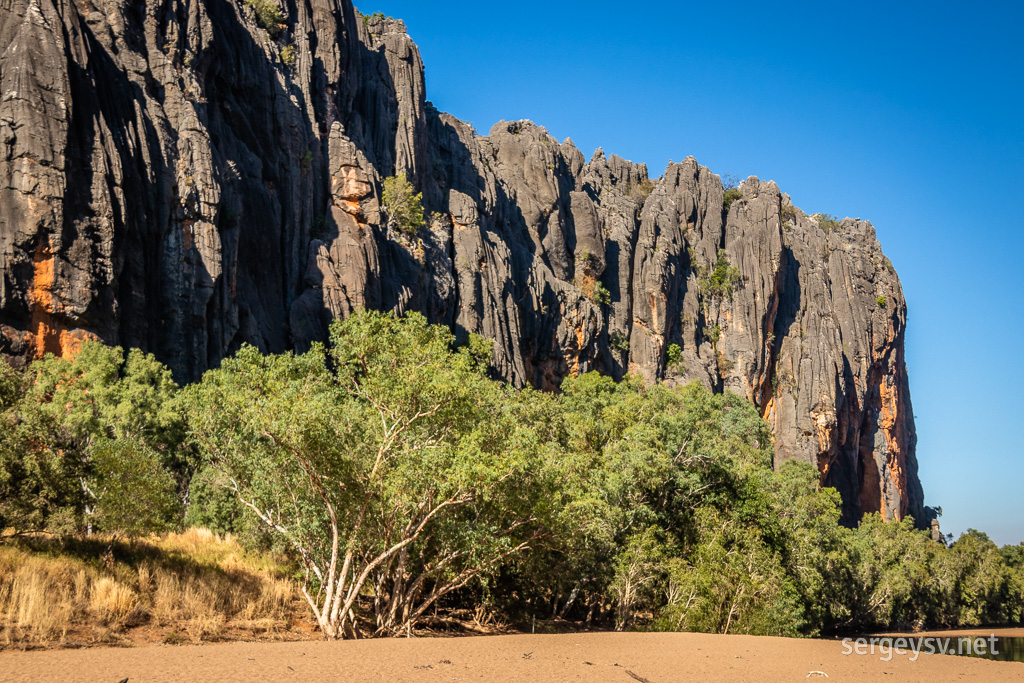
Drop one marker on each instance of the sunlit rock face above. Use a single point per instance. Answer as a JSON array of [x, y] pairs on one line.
[[179, 178]]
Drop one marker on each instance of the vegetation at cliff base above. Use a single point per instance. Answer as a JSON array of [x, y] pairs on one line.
[[90, 444], [400, 486]]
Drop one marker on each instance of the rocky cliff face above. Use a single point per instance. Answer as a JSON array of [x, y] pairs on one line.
[[187, 176]]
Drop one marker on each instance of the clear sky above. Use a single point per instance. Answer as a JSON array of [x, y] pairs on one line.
[[906, 113]]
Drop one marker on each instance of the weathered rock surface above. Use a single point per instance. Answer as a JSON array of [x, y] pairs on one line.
[[176, 177]]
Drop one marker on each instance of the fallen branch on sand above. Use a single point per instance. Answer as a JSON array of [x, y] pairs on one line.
[[637, 678]]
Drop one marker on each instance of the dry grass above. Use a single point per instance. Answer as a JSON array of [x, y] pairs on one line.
[[184, 587]]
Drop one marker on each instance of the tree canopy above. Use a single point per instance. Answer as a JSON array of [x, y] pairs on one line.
[[405, 484]]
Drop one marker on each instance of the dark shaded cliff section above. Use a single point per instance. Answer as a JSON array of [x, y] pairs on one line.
[[174, 177]]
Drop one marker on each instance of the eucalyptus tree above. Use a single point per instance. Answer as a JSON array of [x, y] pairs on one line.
[[390, 464]]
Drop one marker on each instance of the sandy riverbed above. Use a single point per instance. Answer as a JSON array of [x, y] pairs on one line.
[[615, 657]]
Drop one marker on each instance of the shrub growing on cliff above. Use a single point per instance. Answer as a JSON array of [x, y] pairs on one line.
[[618, 342], [881, 301], [828, 222], [674, 357], [731, 195], [404, 206], [288, 56], [721, 282], [712, 334], [593, 289], [641, 190], [268, 15]]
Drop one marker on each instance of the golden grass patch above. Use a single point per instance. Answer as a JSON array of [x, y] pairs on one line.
[[193, 583]]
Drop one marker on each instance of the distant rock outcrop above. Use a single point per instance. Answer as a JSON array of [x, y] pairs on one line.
[[178, 178]]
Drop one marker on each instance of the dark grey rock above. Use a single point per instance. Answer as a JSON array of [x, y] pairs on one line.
[[170, 182]]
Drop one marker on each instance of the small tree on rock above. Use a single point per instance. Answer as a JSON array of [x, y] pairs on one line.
[[403, 205]]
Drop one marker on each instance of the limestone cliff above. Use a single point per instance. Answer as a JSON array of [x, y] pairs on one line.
[[186, 176]]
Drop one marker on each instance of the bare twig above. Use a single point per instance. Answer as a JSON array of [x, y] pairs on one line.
[[638, 678]]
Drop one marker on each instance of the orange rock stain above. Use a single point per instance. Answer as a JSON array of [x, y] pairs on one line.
[[49, 335]]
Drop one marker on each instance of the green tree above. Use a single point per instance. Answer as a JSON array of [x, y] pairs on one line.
[[403, 204], [639, 570], [133, 495], [39, 488], [637, 465], [57, 458], [891, 572], [815, 548], [605, 468], [731, 581], [400, 469], [481, 350], [980, 587], [213, 505], [1013, 556]]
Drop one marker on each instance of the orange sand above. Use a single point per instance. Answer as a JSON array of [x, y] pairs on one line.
[[615, 657]]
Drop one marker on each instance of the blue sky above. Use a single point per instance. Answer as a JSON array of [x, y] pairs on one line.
[[908, 114]]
